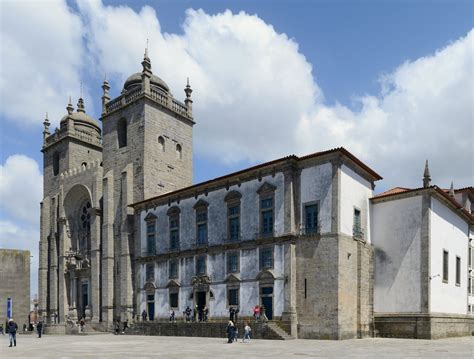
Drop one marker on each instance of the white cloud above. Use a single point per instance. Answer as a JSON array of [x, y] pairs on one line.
[[41, 55], [255, 97], [13, 236], [21, 189]]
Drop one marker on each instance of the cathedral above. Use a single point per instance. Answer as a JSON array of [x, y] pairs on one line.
[[124, 231]]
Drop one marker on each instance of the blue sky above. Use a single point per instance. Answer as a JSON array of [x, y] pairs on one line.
[[392, 81]]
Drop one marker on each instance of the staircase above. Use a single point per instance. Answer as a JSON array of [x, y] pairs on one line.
[[282, 334]]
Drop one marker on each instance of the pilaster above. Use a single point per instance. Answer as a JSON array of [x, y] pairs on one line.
[[43, 259], [425, 252], [336, 195], [95, 264], [289, 307]]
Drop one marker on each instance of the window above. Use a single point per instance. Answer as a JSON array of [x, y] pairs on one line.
[[233, 296], [458, 270], [122, 132], [357, 225], [150, 238], [161, 142], [469, 285], [85, 222], [311, 218], [266, 258], [445, 266], [201, 222], [266, 210], [173, 269], [233, 262], [178, 151], [469, 258], [150, 272], [201, 265], [55, 163], [267, 195], [173, 214], [233, 215], [174, 300]]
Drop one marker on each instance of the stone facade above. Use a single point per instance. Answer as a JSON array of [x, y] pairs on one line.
[[15, 284]]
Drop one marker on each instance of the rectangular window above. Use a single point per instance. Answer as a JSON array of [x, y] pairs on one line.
[[469, 258], [201, 265], [445, 266], [150, 239], [458, 270], [357, 225], [469, 285], [150, 272], [201, 226], [174, 233], [311, 218], [233, 296], [173, 269], [233, 262], [266, 258], [174, 300], [266, 208], [233, 215]]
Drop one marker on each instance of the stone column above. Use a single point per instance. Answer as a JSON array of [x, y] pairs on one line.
[[62, 294], [289, 307], [43, 260], [126, 243], [336, 196], [108, 250], [94, 300], [53, 277]]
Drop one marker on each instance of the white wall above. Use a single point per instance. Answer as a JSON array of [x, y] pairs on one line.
[[316, 186], [355, 193], [396, 239], [448, 232]]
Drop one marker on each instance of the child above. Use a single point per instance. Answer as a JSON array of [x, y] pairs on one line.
[[247, 331]]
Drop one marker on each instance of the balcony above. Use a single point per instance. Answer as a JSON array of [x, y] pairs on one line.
[[358, 232], [310, 231]]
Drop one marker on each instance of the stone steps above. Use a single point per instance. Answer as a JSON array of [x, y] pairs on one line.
[[268, 330]]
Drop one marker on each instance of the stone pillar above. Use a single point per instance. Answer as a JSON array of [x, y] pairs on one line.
[[291, 199], [53, 277], [289, 307], [108, 250], [336, 196], [43, 260], [62, 293], [94, 301], [72, 296], [126, 243], [425, 251]]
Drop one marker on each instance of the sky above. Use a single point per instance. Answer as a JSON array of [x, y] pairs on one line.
[[391, 81]]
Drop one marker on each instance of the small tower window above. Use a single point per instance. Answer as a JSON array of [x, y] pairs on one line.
[[56, 163], [122, 132], [178, 151], [161, 142]]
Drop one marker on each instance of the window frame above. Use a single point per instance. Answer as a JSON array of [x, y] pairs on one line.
[[458, 271], [310, 230], [261, 252], [122, 133], [173, 292], [150, 236], [174, 231], [149, 268], [171, 275], [237, 296], [445, 264], [233, 200], [266, 192], [357, 229], [198, 259], [201, 214], [228, 255]]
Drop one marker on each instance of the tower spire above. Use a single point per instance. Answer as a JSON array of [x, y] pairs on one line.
[[69, 107], [80, 105], [105, 94], [426, 176], [188, 101], [46, 127], [451, 189]]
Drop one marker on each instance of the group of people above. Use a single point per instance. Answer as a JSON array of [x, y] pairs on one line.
[[233, 332], [259, 313], [118, 324], [198, 314]]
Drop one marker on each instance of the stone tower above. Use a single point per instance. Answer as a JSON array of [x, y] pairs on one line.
[[69, 263], [147, 151]]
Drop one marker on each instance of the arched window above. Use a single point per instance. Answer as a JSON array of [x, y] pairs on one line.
[[178, 151], [56, 163], [161, 142], [122, 132], [85, 227]]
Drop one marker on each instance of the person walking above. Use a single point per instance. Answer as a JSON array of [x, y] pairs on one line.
[[39, 328], [205, 313], [256, 313], [195, 313], [144, 315], [172, 316], [263, 314], [247, 331], [232, 314], [117, 327], [230, 332], [82, 324], [125, 326], [12, 328]]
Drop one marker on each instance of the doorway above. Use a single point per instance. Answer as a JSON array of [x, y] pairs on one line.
[[151, 306], [85, 298], [201, 303], [267, 301]]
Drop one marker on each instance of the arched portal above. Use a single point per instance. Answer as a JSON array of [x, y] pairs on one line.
[[78, 212]]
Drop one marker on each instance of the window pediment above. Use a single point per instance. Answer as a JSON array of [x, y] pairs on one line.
[[201, 203], [173, 210], [266, 275], [232, 278], [149, 286], [173, 284], [266, 188], [150, 217], [232, 195]]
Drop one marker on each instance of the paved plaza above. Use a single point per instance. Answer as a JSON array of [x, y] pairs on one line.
[[124, 346]]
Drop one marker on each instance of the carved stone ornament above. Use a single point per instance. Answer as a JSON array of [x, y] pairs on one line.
[[199, 281]]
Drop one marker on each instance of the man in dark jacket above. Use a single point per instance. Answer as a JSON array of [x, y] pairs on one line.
[[12, 328], [39, 328], [144, 315]]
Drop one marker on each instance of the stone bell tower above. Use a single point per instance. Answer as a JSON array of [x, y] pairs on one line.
[[147, 151]]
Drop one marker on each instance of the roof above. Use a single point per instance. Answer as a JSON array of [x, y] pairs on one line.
[[441, 193], [136, 79], [374, 176]]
